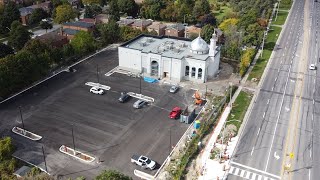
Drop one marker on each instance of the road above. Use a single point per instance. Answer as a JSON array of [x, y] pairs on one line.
[[280, 139]]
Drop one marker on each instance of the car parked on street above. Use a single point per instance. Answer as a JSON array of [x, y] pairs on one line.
[[174, 89], [124, 97], [144, 162], [96, 90], [175, 113], [139, 104]]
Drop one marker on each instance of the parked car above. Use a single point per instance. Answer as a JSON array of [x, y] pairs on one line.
[[312, 67], [139, 104], [96, 90], [144, 162], [174, 89], [124, 97], [175, 113]]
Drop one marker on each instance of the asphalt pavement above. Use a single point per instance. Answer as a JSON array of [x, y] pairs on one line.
[[280, 139], [110, 131]]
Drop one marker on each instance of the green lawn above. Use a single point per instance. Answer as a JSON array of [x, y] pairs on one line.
[[285, 6], [259, 67], [239, 109], [282, 16]]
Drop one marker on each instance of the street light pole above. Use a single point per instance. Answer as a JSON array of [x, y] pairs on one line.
[[21, 118], [44, 158], [264, 36], [277, 11], [170, 140], [230, 95], [74, 146]]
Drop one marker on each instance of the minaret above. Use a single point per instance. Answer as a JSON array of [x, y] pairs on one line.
[[213, 44]]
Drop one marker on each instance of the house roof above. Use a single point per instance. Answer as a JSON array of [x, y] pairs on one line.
[[88, 20], [143, 23], [25, 11], [70, 31], [28, 10], [52, 36], [193, 29], [178, 27], [126, 22], [157, 26], [79, 24]]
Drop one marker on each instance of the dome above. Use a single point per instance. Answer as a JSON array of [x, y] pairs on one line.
[[199, 46]]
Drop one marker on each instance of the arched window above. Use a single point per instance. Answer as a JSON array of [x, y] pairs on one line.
[[193, 72], [199, 73], [187, 71]]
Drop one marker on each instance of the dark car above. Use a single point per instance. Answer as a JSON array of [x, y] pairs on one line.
[[124, 97]]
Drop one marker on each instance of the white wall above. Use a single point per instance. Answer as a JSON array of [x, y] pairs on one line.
[[129, 58], [196, 64], [213, 65]]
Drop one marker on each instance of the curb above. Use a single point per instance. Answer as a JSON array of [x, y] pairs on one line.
[[17, 129]]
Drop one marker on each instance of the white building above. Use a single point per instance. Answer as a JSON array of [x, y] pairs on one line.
[[173, 58]]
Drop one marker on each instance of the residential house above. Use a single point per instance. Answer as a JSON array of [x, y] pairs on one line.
[[158, 27], [69, 29], [192, 31], [176, 30], [141, 24], [53, 39], [26, 12], [125, 22], [102, 18], [88, 20]]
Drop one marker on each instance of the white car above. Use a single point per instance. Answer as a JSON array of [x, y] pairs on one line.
[[174, 89], [96, 90], [312, 67]]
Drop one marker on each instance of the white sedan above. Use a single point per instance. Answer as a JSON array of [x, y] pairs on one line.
[[96, 90], [312, 67]]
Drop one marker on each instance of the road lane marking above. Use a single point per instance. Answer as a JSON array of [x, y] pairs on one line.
[[254, 169], [268, 101], [264, 114], [258, 131], [252, 150]]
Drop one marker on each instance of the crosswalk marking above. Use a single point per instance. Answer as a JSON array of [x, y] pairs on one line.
[[246, 174]]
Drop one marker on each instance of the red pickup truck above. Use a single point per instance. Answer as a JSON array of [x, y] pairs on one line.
[[175, 113]]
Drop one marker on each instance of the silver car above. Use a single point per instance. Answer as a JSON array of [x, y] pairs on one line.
[[174, 89], [139, 104]]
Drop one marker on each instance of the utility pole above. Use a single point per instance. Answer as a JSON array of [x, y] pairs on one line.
[[264, 36], [140, 84], [205, 95], [44, 158], [170, 140], [277, 11], [21, 118], [74, 146], [230, 95]]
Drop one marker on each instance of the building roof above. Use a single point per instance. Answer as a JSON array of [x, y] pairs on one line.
[[70, 31], [193, 29], [126, 22], [143, 23], [51, 36], [88, 20], [25, 11], [79, 24], [173, 47], [177, 27], [157, 26], [199, 45]]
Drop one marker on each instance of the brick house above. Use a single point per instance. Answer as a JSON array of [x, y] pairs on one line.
[[53, 39], [70, 29], [141, 24], [176, 30], [158, 27], [125, 22], [25, 12], [192, 31]]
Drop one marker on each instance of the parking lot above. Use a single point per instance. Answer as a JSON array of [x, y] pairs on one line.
[[102, 127]]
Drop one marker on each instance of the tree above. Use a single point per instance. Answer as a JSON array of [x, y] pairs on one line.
[[208, 19], [90, 2], [201, 7], [10, 14], [206, 32], [114, 11], [7, 163], [249, 18], [112, 175], [18, 36], [64, 13], [127, 33], [45, 25], [83, 42], [128, 6], [92, 11], [253, 35], [37, 15], [246, 60], [109, 32], [227, 23], [5, 50]]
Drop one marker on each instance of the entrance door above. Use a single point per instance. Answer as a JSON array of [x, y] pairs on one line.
[[154, 68]]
